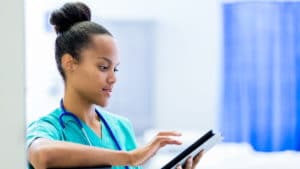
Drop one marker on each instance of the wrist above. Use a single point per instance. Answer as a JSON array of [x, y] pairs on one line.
[[127, 158], [130, 156]]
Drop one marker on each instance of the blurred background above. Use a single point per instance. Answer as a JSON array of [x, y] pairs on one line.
[[191, 66]]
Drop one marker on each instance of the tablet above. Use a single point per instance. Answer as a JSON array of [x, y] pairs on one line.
[[205, 142]]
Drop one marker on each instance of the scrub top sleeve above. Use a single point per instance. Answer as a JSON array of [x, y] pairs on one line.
[[41, 129]]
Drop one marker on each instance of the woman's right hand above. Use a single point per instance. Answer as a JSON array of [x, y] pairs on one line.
[[140, 155]]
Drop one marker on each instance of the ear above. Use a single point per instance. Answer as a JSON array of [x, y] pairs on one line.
[[68, 63]]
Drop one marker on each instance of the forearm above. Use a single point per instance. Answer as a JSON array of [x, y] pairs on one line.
[[44, 153]]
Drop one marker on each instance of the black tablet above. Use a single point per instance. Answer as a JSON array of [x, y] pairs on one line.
[[205, 142]]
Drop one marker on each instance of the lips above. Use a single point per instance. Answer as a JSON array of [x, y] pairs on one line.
[[107, 91]]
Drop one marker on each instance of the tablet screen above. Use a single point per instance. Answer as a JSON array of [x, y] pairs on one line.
[[205, 142]]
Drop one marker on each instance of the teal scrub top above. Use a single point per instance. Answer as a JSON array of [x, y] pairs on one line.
[[49, 127]]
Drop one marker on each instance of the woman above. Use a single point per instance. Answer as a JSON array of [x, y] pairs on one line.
[[76, 134]]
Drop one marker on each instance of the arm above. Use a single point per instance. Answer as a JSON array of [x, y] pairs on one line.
[[45, 153]]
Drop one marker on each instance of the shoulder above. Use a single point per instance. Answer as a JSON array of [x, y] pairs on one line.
[[45, 127], [50, 119]]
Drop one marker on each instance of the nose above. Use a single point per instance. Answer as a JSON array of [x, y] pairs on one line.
[[112, 78]]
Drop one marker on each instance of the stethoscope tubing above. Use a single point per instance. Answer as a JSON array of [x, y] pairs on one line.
[[66, 113]]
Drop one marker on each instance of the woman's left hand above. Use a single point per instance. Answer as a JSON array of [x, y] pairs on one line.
[[191, 162]]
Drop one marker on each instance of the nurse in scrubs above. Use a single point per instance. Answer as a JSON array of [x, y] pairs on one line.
[[76, 133]]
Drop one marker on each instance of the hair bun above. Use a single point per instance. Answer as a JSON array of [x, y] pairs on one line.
[[68, 15]]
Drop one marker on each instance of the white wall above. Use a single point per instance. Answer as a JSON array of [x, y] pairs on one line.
[[187, 60], [12, 85], [188, 65]]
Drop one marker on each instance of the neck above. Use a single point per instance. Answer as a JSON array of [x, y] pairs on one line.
[[80, 107]]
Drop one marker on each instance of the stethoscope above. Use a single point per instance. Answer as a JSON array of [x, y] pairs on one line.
[[66, 113]]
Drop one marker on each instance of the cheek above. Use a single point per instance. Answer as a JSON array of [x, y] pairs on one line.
[[100, 78], [89, 78], [83, 79], [92, 78], [87, 72]]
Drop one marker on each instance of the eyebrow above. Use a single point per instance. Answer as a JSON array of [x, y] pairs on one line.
[[108, 60]]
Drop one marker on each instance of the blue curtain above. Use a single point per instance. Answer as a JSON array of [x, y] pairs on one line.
[[261, 90]]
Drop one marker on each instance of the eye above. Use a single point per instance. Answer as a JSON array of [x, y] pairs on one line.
[[116, 70], [103, 68]]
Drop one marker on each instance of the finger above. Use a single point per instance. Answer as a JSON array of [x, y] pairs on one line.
[[162, 140], [169, 133], [179, 167], [197, 158], [189, 163]]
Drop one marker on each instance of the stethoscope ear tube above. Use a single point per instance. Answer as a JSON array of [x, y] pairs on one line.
[[69, 114], [66, 113]]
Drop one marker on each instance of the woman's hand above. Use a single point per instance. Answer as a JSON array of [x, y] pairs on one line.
[[141, 155], [191, 163]]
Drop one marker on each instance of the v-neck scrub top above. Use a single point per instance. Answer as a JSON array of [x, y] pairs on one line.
[[49, 127]]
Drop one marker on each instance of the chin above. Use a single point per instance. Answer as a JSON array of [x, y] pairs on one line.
[[102, 103]]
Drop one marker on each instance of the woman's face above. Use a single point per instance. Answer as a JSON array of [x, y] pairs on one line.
[[94, 75]]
